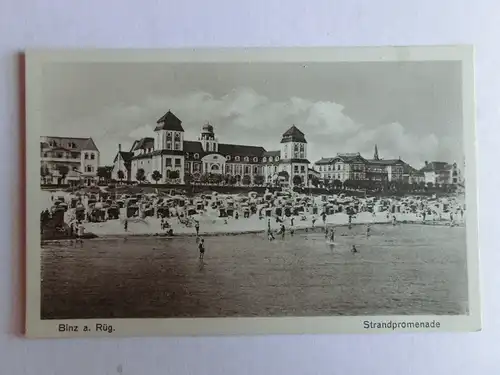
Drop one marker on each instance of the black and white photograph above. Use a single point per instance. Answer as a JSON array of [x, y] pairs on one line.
[[233, 191]]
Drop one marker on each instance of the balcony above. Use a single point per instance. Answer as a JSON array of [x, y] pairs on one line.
[[60, 159]]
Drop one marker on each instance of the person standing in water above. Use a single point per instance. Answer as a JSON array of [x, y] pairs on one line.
[[201, 248], [368, 231], [393, 220], [313, 221], [197, 227], [282, 230], [125, 225], [332, 235], [354, 250]]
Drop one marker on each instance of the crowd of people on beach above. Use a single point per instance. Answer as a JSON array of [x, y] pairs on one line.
[[77, 214]]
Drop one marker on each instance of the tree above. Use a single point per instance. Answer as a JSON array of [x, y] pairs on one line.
[[63, 171], [188, 178], [173, 175], [430, 185], [246, 180], [103, 173], [258, 179], [120, 175], [284, 175], [140, 175], [297, 180], [314, 180], [44, 172], [233, 180], [156, 176]]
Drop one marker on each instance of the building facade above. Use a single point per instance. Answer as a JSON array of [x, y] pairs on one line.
[[349, 166], [68, 160], [442, 173], [122, 165], [353, 166], [170, 158]]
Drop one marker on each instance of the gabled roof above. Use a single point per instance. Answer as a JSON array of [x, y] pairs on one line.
[[126, 156], [241, 150], [144, 143], [80, 144], [169, 121], [293, 135]]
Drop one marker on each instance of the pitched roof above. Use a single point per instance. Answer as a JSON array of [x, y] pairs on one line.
[[241, 150], [126, 156], [271, 153], [346, 158], [144, 143], [81, 144], [385, 161], [193, 146], [293, 135], [169, 121]]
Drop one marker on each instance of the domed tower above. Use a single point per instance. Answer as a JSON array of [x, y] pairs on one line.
[[207, 138]]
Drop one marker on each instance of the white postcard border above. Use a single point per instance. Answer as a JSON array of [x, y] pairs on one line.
[[38, 328]]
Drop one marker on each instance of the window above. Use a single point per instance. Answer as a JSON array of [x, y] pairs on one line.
[[196, 156], [169, 136], [187, 155], [92, 156], [255, 159], [237, 158], [177, 162], [168, 162], [302, 168], [246, 158], [177, 136], [264, 159], [256, 170], [296, 169], [277, 158], [177, 145], [228, 157], [187, 166], [89, 168], [271, 159], [86, 156], [169, 146], [247, 170]]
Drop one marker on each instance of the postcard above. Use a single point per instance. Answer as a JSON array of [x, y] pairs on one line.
[[250, 191]]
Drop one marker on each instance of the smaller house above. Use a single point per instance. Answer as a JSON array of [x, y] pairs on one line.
[[122, 165]]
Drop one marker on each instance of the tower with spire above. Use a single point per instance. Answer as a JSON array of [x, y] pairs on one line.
[[375, 155]]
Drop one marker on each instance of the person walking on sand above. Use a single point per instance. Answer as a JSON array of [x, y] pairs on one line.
[[282, 231], [270, 235], [313, 221], [332, 235], [197, 227], [368, 231], [125, 225], [393, 220], [80, 233], [201, 248], [354, 250]]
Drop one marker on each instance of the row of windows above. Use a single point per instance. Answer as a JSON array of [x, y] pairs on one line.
[[69, 145], [237, 158], [296, 169], [91, 155]]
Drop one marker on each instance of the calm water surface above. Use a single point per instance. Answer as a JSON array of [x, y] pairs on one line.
[[407, 269]]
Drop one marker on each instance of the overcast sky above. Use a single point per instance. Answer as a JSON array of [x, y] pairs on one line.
[[411, 110]]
